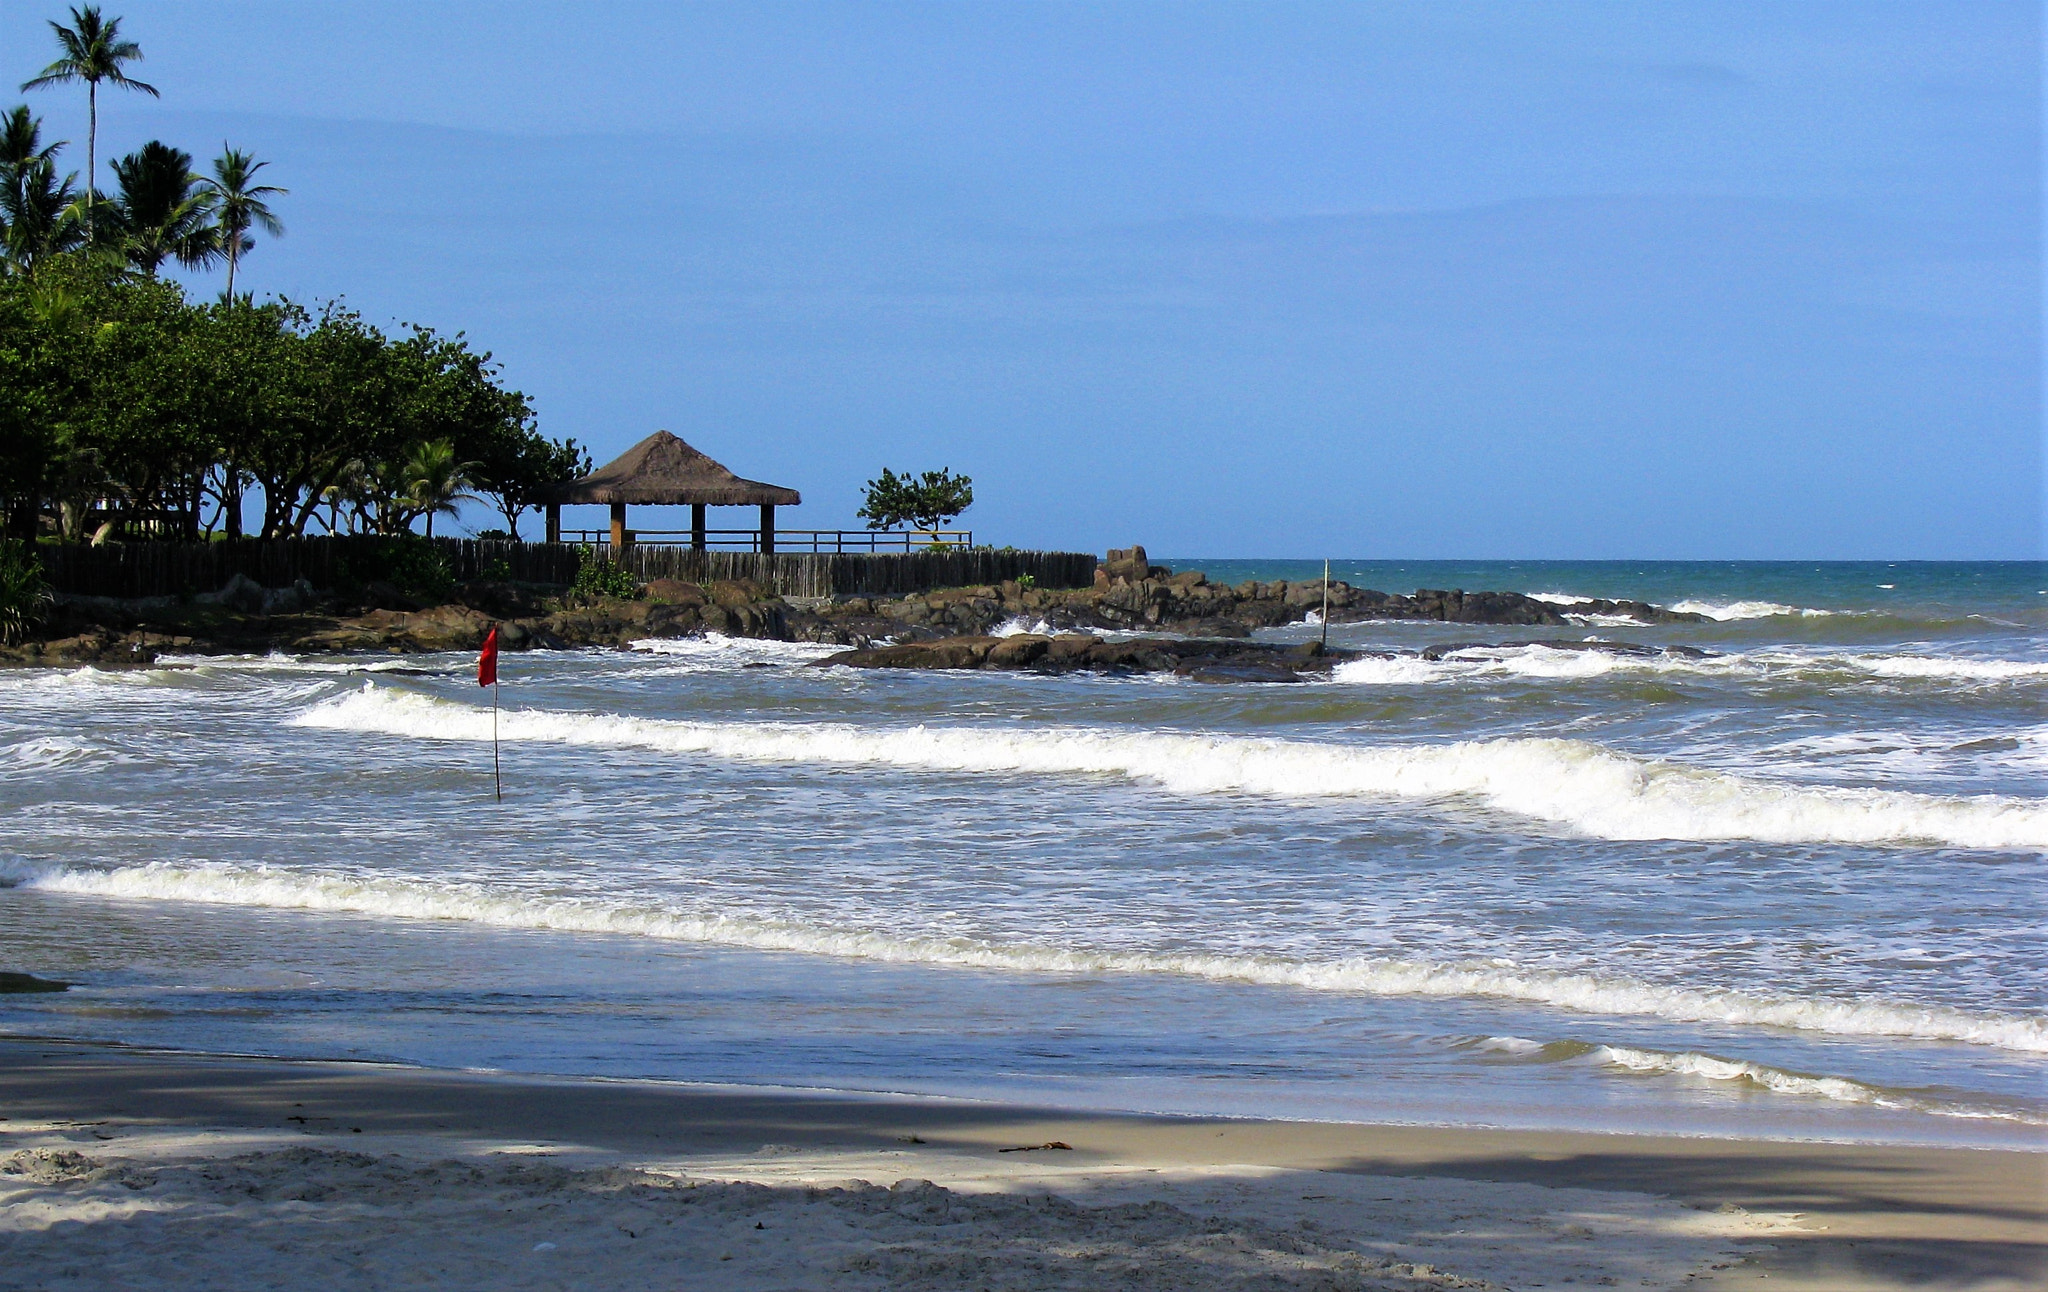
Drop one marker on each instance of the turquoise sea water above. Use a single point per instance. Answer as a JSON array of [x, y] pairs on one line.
[[1792, 888]]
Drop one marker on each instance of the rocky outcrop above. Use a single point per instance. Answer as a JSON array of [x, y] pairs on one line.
[[1198, 660], [1130, 594], [1202, 661]]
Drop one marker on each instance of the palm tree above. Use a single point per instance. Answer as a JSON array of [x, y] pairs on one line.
[[162, 211], [433, 482], [38, 211], [238, 205], [93, 52]]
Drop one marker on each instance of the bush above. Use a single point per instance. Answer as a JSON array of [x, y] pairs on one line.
[[597, 577], [24, 592], [413, 565]]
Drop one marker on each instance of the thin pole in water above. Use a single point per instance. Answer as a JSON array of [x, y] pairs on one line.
[[1326, 601], [497, 778]]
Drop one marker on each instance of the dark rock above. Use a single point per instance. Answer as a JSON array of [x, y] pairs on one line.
[[1127, 565], [1020, 651], [1242, 672], [21, 983], [674, 592]]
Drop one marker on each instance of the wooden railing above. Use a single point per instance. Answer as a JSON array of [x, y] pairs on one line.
[[815, 541]]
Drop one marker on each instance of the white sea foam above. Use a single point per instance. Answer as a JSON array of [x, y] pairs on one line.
[[1519, 1045], [1586, 993], [47, 753], [1547, 662], [1531, 661], [715, 652], [1724, 611], [1781, 1081], [1960, 668], [1586, 787], [280, 662], [1019, 625], [1558, 598]]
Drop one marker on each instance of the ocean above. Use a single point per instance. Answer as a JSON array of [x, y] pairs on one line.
[[1791, 889]]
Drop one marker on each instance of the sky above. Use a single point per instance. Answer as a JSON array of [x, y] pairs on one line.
[[1375, 280]]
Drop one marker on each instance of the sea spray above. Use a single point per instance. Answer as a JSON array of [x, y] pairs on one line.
[[1577, 784]]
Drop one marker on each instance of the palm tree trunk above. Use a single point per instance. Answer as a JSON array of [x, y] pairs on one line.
[[233, 247], [92, 144]]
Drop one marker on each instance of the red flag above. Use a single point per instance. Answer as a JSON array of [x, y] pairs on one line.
[[487, 659]]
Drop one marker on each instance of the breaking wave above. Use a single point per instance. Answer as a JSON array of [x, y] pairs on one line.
[[1743, 1074], [1576, 784], [47, 753], [1584, 993], [1762, 1076], [716, 652], [1726, 611], [1542, 662]]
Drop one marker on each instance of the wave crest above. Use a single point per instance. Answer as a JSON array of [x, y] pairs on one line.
[[1582, 786], [1584, 993]]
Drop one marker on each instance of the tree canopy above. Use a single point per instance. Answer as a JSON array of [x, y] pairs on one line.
[[125, 405], [927, 501]]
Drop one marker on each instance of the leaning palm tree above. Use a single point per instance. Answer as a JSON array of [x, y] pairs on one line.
[[93, 52], [161, 212], [238, 205]]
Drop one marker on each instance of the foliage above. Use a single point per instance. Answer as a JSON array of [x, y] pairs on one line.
[[926, 501], [516, 468], [93, 51], [122, 401], [38, 213], [408, 562], [1027, 581], [597, 577], [239, 205], [24, 593], [161, 212]]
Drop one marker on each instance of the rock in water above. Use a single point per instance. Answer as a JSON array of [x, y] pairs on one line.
[[22, 983]]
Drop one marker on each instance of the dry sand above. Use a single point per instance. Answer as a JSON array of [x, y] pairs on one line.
[[122, 1168]]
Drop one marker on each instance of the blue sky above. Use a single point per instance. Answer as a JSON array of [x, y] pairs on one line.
[[1374, 280]]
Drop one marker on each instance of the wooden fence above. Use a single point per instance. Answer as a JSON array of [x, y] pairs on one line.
[[136, 570]]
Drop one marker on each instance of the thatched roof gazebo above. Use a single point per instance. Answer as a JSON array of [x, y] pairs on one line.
[[661, 470]]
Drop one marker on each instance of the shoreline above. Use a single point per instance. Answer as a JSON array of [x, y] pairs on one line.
[[1728, 1213]]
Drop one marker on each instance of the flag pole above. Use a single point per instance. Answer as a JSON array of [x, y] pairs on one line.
[[487, 675], [1326, 601]]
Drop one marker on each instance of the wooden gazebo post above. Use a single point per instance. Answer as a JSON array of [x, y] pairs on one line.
[[618, 530], [697, 532], [767, 528]]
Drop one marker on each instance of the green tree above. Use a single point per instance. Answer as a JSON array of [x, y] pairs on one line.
[[161, 211], [239, 205], [39, 216], [93, 52], [516, 467], [434, 482], [926, 501]]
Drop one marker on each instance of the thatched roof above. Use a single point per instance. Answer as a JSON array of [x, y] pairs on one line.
[[662, 470]]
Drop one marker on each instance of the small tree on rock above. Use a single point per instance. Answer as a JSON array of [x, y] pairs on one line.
[[925, 502]]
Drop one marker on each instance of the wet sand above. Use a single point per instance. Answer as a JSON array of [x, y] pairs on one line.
[[1467, 1206]]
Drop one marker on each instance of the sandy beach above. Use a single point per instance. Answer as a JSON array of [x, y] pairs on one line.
[[123, 1168]]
